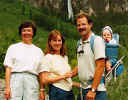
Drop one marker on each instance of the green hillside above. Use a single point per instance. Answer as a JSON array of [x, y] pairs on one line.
[[13, 12]]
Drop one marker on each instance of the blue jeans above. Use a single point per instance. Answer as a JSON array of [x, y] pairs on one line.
[[59, 94], [100, 95]]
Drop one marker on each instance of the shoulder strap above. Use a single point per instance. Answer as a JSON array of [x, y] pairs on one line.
[[92, 42], [116, 37], [78, 43]]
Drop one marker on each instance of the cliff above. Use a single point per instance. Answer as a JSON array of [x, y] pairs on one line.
[[93, 7]]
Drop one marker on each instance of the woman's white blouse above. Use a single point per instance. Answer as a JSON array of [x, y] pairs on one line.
[[57, 65]]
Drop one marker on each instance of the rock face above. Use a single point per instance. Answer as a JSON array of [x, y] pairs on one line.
[[2, 87], [57, 5], [92, 6]]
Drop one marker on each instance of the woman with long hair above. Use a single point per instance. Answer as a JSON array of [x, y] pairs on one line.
[[55, 68]]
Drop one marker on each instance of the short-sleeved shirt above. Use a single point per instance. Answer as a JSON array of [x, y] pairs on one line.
[[23, 58], [57, 65], [86, 61]]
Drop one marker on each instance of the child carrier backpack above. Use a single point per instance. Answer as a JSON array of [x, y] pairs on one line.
[[111, 52]]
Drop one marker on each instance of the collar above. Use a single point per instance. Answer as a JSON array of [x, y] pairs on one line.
[[86, 41]]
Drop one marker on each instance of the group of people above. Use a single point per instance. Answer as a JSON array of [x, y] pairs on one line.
[[25, 62]]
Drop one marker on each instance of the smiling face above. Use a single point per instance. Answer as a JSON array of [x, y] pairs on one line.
[[56, 43], [27, 34], [83, 26], [107, 36]]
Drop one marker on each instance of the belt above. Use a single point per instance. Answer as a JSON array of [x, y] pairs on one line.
[[23, 73]]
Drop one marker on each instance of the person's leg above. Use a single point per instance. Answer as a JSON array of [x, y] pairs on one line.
[[70, 96], [100, 95], [53, 93], [65, 95], [31, 87], [16, 85], [56, 93]]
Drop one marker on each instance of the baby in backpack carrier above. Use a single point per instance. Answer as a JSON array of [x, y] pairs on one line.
[[111, 49], [107, 35]]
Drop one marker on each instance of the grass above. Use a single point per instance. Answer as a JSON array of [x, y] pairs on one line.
[[13, 12]]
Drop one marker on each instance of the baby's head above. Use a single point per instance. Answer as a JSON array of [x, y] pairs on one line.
[[107, 33]]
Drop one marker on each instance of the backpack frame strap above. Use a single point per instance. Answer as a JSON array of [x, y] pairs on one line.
[[92, 42], [78, 43], [116, 37]]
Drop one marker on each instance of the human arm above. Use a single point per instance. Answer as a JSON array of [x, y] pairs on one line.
[[74, 71], [9, 64], [7, 83], [48, 80], [108, 65], [42, 90], [76, 84], [100, 64]]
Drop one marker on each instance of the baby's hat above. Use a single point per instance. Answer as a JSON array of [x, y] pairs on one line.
[[107, 28]]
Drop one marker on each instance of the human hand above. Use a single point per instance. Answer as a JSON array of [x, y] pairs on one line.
[[7, 93], [68, 74], [42, 95], [90, 95], [76, 84], [108, 65]]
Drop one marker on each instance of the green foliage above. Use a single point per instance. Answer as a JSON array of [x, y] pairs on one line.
[[112, 19], [53, 22], [118, 90], [13, 12], [10, 18], [2, 69], [71, 49]]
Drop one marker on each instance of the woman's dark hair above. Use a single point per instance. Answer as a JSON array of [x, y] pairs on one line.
[[27, 24]]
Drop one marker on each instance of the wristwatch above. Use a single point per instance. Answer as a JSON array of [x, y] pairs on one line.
[[93, 90]]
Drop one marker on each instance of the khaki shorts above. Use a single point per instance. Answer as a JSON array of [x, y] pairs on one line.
[[24, 86]]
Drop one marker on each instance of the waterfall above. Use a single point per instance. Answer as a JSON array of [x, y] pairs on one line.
[[70, 10], [107, 7]]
